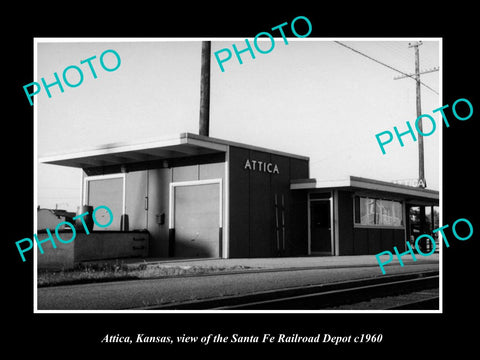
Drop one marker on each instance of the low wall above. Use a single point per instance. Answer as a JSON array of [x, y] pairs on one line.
[[111, 245], [60, 258], [98, 245]]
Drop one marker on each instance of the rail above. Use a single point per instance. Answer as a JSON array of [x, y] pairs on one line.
[[315, 296]]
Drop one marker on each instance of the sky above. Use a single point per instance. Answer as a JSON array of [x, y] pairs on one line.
[[312, 97]]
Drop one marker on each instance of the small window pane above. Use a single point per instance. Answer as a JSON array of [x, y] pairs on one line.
[[389, 213], [367, 211]]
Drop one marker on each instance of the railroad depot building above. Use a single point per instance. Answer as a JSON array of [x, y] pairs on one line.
[[194, 196]]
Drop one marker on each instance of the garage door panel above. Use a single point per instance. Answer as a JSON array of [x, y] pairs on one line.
[[196, 220]]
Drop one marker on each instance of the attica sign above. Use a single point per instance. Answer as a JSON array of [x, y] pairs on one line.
[[256, 165]]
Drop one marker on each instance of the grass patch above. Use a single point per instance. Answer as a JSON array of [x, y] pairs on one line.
[[85, 273], [118, 271]]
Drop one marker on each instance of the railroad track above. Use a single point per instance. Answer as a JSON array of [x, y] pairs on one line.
[[317, 297], [431, 303]]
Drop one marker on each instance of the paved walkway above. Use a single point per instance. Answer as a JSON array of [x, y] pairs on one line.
[[321, 262]]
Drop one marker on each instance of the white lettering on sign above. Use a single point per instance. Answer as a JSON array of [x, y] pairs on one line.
[[411, 182], [261, 166]]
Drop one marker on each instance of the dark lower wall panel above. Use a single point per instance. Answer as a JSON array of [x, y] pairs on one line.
[[387, 241], [348, 244], [298, 234], [399, 240], [360, 242], [371, 241], [375, 240]]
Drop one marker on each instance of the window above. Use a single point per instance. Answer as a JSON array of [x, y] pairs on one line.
[[378, 212], [108, 190]]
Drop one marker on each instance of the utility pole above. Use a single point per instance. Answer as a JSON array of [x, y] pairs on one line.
[[204, 123], [421, 162], [421, 158]]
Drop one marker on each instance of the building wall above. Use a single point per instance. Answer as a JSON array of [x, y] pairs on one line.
[[147, 193], [158, 216], [373, 241], [265, 218], [135, 193], [346, 233], [298, 231], [239, 245], [255, 221]]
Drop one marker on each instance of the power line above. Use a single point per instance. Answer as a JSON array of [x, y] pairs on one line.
[[394, 50], [386, 65]]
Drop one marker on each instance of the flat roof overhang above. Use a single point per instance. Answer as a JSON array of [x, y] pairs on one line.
[[186, 145], [413, 195], [126, 153]]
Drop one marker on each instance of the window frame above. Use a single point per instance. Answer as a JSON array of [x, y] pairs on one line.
[[377, 226], [86, 190]]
